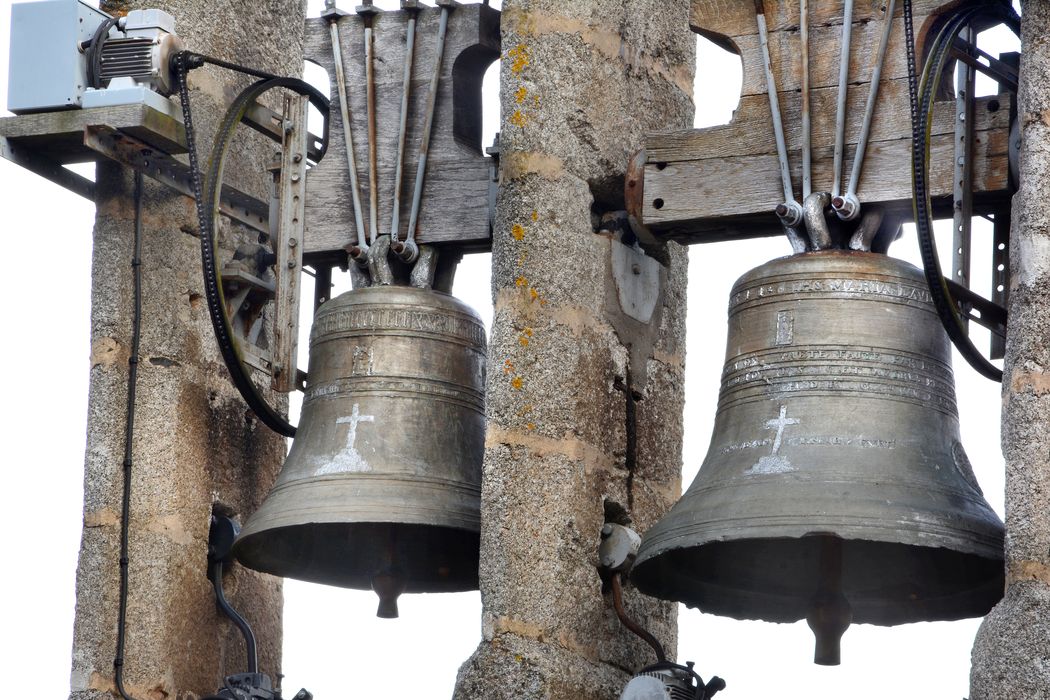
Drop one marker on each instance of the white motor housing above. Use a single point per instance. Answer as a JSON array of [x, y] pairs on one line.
[[52, 52]]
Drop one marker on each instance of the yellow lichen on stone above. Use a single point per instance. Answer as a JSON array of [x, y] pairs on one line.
[[519, 57], [519, 94], [518, 231]]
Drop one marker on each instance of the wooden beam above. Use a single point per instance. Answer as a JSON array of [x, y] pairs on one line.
[[455, 205], [724, 181]]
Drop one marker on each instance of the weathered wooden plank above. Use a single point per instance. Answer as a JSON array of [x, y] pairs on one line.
[[60, 135], [681, 194], [733, 18], [785, 56], [455, 195], [725, 181], [751, 131]]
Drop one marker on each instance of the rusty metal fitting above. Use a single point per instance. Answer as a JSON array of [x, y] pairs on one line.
[[789, 213], [358, 254], [331, 12], [846, 207], [367, 10], [406, 251]]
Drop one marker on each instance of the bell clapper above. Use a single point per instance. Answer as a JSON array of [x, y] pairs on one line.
[[830, 614], [388, 585]]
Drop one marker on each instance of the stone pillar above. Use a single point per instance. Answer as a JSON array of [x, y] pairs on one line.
[[580, 84], [1011, 656], [196, 443]]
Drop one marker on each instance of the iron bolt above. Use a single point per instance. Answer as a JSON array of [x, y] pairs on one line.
[[635, 269], [291, 264], [295, 178], [292, 242]]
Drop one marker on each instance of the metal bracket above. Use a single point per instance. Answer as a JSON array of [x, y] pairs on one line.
[[618, 547], [637, 278], [287, 241], [46, 168], [140, 156]]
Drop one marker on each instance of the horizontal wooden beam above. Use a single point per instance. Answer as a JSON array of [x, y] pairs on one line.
[[723, 182], [455, 201]]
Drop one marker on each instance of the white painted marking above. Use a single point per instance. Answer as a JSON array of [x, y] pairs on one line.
[[774, 462], [349, 460]]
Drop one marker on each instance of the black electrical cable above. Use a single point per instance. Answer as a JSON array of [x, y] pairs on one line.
[[129, 434], [237, 619], [207, 199], [98, 40]]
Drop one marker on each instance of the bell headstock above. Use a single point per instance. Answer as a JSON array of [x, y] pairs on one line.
[[456, 191]]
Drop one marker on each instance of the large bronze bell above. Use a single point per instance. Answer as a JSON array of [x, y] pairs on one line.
[[836, 488], [382, 485]]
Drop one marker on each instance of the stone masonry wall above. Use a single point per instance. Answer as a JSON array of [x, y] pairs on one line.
[[195, 443], [581, 82], [1011, 656]]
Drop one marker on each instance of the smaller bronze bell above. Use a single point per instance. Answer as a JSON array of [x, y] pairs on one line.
[[382, 486], [836, 488]]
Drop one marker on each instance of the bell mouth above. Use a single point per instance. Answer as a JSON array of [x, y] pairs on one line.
[[428, 558], [775, 579]]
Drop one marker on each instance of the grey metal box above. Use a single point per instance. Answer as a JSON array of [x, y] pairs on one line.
[[47, 71]]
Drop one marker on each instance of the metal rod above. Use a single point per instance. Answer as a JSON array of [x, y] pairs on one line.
[[774, 104], [807, 169], [997, 70], [410, 47], [424, 145], [840, 113], [647, 637], [869, 109], [370, 106], [322, 285], [348, 136]]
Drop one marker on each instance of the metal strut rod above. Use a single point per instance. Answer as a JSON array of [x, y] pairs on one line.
[[847, 207], [408, 250], [840, 113], [368, 12], [344, 112], [790, 212], [807, 143], [410, 47]]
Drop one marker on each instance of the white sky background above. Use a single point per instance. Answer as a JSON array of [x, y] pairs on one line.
[[334, 644]]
